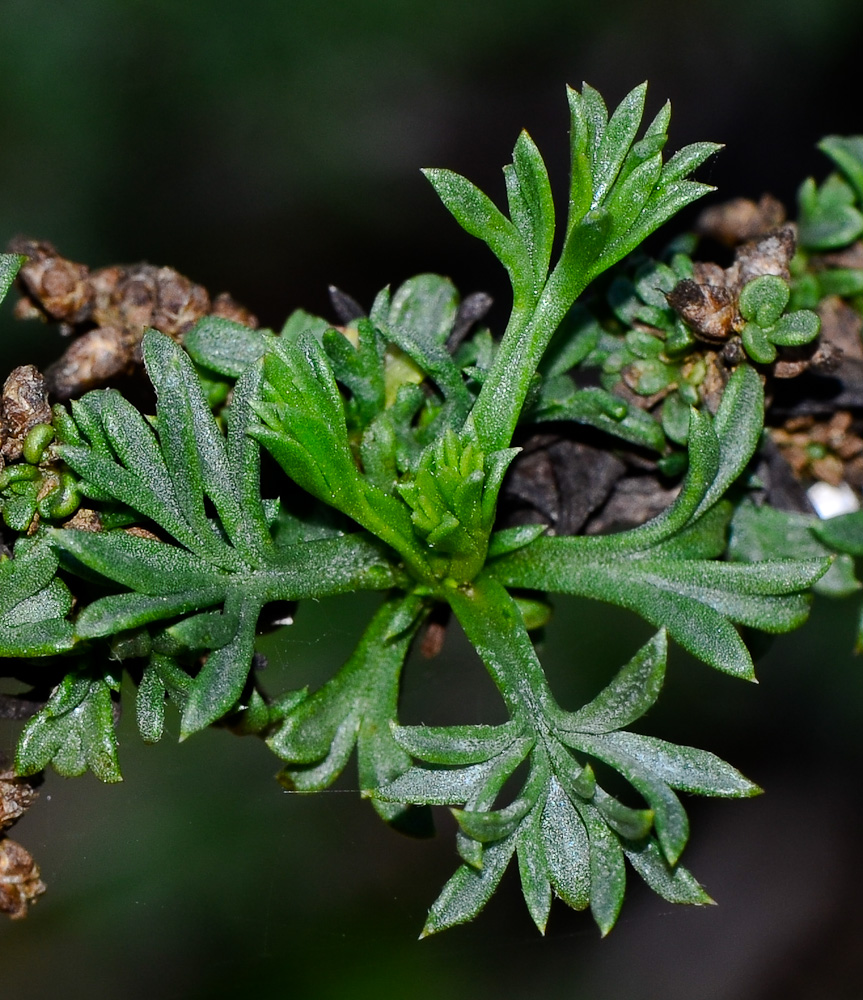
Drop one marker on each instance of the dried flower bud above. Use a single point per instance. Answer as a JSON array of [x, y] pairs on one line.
[[707, 302], [708, 307], [181, 303], [108, 311], [740, 220], [138, 297], [58, 286], [16, 797], [91, 360], [227, 307], [27, 309], [20, 884], [771, 254], [23, 405]]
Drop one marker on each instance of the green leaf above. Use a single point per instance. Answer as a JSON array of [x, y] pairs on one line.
[[165, 580], [356, 707], [560, 400], [847, 153], [33, 603], [10, 264], [217, 688], [686, 160], [737, 425], [617, 138], [226, 347], [304, 430], [764, 299], [161, 679], [360, 369], [757, 344], [765, 533], [512, 539], [672, 882], [532, 864], [843, 533], [145, 565], [452, 497], [421, 316], [606, 221], [455, 745], [632, 824], [672, 825], [299, 323], [634, 689], [569, 833], [74, 732], [582, 132], [424, 308], [607, 872], [179, 477], [828, 218], [566, 848], [531, 206], [469, 889], [795, 328], [695, 604], [696, 601], [478, 215], [675, 418], [684, 768], [194, 447], [464, 785], [575, 338]]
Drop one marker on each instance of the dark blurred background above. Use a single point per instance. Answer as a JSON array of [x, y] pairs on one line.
[[273, 148]]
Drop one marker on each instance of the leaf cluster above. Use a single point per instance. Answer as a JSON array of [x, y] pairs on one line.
[[389, 453]]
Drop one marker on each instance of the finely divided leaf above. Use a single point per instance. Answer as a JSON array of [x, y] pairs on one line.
[[684, 768], [33, 603], [74, 731], [531, 205], [672, 882], [356, 707], [477, 215], [469, 889], [632, 692]]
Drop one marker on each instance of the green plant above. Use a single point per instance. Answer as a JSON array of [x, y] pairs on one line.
[[395, 445]]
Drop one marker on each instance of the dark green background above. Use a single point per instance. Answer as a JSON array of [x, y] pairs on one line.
[[271, 148]]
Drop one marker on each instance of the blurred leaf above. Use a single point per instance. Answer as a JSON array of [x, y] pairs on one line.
[[74, 731]]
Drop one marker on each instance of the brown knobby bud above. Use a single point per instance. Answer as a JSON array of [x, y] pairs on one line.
[[770, 254], [226, 307], [108, 310], [91, 360], [23, 405], [20, 882], [740, 220], [142, 296], [16, 796], [707, 302], [58, 287]]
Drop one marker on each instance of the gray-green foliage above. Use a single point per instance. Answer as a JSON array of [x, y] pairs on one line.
[[406, 445]]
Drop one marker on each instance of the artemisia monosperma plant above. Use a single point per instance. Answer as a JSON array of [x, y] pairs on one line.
[[174, 552]]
